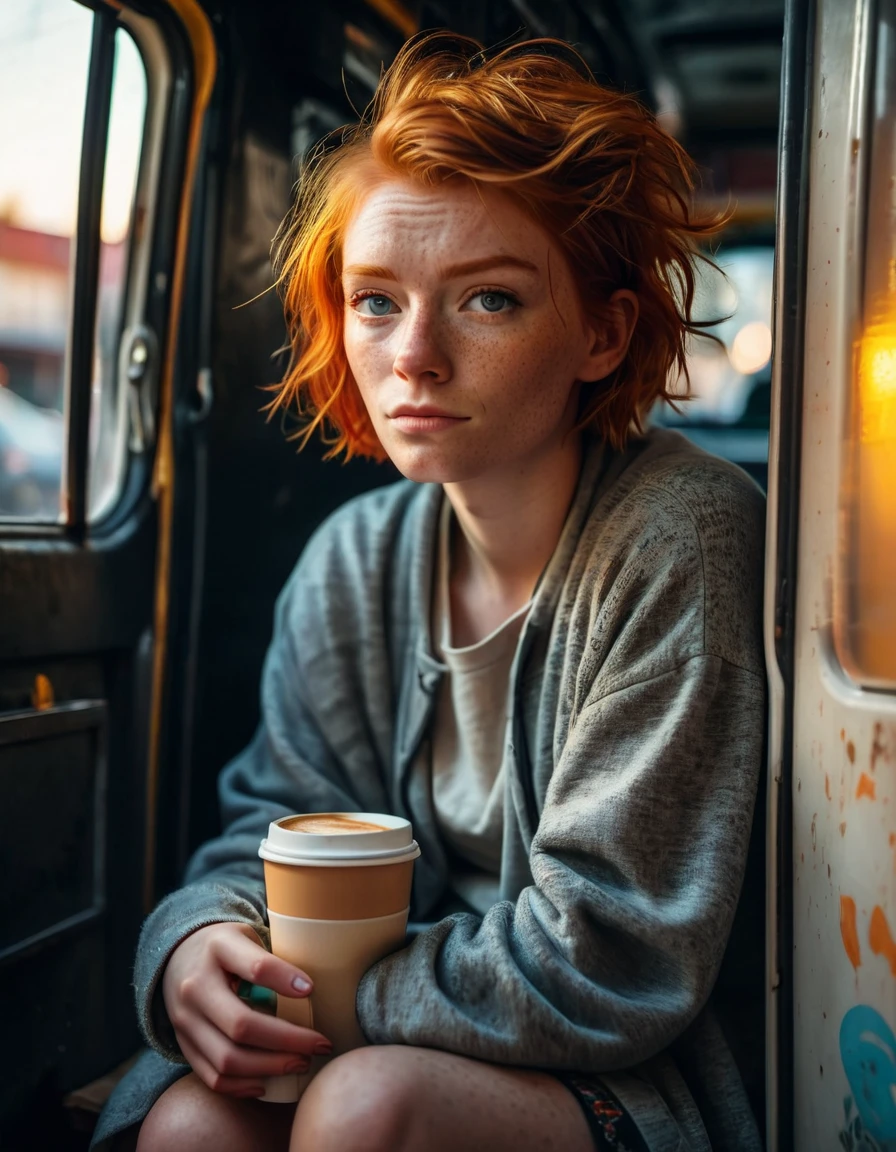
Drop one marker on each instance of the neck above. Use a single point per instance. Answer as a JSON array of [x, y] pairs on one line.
[[508, 528]]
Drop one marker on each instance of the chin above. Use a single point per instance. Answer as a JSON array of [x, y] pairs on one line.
[[427, 467], [422, 474]]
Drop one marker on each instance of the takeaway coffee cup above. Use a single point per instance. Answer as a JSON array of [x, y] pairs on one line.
[[338, 889]]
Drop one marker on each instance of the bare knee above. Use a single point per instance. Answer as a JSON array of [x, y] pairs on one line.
[[363, 1100], [166, 1119], [189, 1117]]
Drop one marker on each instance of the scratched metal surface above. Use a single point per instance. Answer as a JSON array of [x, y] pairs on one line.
[[844, 783]]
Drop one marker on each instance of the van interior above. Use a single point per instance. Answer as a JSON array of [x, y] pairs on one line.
[[149, 509]]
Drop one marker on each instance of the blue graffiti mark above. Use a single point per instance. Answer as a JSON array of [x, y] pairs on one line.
[[868, 1052], [854, 1137]]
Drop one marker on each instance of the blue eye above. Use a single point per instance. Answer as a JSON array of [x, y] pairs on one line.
[[374, 305], [491, 301]]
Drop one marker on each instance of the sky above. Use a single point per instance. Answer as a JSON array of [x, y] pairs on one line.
[[44, 59]]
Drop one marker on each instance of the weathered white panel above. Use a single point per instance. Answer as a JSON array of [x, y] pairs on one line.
[[844, 784]]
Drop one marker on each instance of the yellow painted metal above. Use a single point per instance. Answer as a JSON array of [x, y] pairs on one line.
[[202, 43]]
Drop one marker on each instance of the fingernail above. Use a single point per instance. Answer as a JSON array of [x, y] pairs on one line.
[[300, 984], [297, 1066], [322, 1048]]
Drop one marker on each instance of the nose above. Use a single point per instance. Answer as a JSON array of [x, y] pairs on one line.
[[422, 355]]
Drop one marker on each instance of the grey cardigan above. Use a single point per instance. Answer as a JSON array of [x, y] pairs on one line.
[[635, 743]]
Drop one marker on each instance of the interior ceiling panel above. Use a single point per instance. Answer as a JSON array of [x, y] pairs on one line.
[[728, 86], [716, 63]]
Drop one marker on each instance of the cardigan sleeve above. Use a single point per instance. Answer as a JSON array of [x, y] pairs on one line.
[[309, 688]]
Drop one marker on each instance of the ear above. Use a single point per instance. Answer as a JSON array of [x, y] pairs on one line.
[[610, 338]]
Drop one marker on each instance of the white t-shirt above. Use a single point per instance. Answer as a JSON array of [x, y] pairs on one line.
[[469, 740]]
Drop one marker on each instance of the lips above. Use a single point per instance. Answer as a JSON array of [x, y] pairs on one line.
[[423, 420], [424, 411]]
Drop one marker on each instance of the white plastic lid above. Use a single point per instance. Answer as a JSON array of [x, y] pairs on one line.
[[391, 843]]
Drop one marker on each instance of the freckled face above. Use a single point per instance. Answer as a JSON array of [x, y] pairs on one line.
[[463, 331]]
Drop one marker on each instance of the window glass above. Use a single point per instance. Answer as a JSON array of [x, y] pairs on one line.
[[43, 81], [866, 602], [730, 384], [109, 407], [46, 54]]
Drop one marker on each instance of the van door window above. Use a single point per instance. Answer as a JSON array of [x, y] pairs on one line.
[[47, 48], [730, 376], [109, 411], [865, 627]]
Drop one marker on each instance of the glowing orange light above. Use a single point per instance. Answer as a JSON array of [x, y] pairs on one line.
[[877, 382], [871, 558]]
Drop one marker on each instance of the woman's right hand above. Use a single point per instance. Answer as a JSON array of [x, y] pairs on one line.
[[229, 1045]]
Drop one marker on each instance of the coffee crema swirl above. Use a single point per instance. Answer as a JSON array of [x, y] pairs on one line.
[[330, 824]]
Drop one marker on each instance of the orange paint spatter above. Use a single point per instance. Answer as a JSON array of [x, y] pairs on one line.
[[865, 787], [827, 786], [851, 752], [880, 939], [848, 930]]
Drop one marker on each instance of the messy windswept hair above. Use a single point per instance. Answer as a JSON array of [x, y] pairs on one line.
[[589, 165]]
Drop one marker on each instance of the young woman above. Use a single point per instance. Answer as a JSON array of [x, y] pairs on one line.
[[543, 648]]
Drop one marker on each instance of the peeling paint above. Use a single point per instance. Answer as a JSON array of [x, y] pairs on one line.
[[865, 787], [848, 931], [881, 939]]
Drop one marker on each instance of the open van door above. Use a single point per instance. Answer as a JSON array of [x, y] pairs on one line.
[[103, 114], [831, 605]]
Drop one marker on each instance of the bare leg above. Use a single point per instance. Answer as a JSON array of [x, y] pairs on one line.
[[189, 1117], [402, 1099]]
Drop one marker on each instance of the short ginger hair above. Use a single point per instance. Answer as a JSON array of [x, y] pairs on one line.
[[590, 165]]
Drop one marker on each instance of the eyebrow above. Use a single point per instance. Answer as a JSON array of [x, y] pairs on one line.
[[371, 271], [467, 268]]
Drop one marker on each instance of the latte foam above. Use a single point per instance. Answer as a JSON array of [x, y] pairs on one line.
[[330, 824]]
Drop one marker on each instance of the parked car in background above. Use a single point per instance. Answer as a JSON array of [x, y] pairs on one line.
[[31, 440]]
